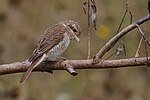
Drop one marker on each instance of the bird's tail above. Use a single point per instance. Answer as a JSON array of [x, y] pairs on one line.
[[28, 72]]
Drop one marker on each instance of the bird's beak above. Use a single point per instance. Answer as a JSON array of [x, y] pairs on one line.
[[77, 39]]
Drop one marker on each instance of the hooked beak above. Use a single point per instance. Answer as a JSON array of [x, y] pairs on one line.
[[77, 39]]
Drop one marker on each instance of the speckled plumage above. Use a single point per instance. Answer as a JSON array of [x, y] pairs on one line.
[[53, 43]]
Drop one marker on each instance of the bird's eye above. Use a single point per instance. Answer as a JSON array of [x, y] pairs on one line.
[[74, 30]]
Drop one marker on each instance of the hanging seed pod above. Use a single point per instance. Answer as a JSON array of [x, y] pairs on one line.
[[84, 7], [94, 9]]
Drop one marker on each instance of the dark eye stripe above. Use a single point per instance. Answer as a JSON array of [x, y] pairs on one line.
[[72, 28]]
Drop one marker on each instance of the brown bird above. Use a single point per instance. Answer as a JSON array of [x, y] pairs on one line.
[[53, 43]]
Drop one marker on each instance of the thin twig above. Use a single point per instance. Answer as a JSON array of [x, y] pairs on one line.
[[123, 17], [89, 35], [131, 17], [137, 51], [110, 56]]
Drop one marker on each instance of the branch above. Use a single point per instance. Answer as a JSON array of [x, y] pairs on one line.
[[77, 64], [114, 40]]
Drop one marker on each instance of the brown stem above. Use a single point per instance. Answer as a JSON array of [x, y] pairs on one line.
[[89, 35]]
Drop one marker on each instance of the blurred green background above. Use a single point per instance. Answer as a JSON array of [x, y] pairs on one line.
[[22, 22]]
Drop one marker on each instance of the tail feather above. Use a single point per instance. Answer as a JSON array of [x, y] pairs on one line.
[[28, 72]]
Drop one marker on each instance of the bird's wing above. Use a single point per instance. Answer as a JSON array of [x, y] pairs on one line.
[[51, 37]]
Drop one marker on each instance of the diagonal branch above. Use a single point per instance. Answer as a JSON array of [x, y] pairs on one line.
[[77, 64], [114, 40], [143, 35]]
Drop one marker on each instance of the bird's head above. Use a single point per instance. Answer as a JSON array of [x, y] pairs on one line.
[[73, 29]]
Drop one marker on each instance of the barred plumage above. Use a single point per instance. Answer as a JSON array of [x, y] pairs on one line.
[[60, 48]]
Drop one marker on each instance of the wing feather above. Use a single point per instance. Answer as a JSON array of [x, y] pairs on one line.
[[51, 37]]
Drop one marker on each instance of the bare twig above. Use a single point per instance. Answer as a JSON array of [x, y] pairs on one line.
[[110, 56], [123, 17], [113, 40], [131, 17], [89, 45], [70, 69], [89, 35], [130, 13], [137, 51]]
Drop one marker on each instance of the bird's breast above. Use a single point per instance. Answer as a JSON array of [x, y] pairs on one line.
[[59, 48]]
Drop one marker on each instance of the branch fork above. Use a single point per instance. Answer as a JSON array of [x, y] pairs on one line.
[[69, 68]]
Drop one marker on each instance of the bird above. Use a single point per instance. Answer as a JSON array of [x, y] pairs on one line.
[[52, 44]]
